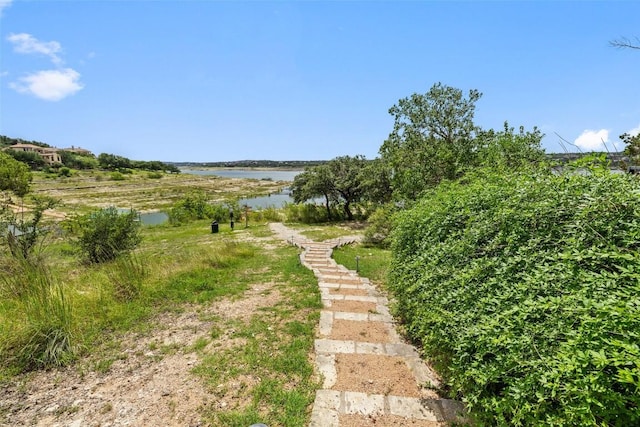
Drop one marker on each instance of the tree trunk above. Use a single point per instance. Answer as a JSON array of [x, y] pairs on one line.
[[326, 197], [347, 211]]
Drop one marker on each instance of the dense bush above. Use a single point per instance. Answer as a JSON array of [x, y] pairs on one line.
[[195, 206], [379, 226], [117, 176], [107, 233], [525, 292]]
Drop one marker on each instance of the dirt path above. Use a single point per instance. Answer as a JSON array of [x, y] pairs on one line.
[[371, 376]]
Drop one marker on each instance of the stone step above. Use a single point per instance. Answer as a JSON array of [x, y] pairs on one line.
[[330, 404]]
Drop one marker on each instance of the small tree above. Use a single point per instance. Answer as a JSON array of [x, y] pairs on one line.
[[15, 176], [632, 148], [24, 234], [107, 233], [314, 182], [346, 178]]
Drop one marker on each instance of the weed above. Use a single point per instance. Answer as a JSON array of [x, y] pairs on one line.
[[42, 330]]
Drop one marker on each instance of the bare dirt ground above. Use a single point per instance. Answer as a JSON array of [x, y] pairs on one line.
[[149, 383]]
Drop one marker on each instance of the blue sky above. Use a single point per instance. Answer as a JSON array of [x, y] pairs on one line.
[[301, 80]]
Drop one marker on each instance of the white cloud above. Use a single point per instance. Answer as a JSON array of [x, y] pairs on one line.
[[593, 140], [4, 4], [26, 43], [50, 85]]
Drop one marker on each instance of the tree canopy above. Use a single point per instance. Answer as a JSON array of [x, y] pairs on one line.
[[432, 138], [632, 148], [15, 176], [337, 182]]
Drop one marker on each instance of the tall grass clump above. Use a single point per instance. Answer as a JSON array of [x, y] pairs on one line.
[[39, 317], [525, 292], [126, 274]]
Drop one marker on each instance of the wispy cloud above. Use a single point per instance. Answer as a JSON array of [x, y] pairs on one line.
[[27, 44], [50, 85], [4, 4], [593, 140]]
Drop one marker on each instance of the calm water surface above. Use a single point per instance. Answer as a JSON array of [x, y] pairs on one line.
[[275, 175]]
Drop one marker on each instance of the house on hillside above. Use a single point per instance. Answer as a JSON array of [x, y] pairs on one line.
[[78, 150], [50, 155]]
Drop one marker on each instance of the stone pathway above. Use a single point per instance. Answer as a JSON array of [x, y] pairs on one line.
[[370, 375]]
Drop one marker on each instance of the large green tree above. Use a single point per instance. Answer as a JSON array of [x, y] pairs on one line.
[[433, 139]]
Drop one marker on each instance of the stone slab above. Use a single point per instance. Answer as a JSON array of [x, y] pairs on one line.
[[326, 364], [334, 346], [410, 407], [362, 403]]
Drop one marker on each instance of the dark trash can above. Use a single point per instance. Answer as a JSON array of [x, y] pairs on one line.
[[214, 227]]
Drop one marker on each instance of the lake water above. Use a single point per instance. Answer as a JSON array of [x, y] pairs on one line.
[[274, 175], [154, 218]]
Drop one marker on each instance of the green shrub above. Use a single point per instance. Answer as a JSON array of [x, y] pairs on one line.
[[196, 206], [270, 213], [154, 175], [64, 171], [380, 225], [525, 292], [116, 176], [107, 233]]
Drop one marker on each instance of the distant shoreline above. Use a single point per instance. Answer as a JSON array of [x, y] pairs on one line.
[[235, 168], [282, 165]]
